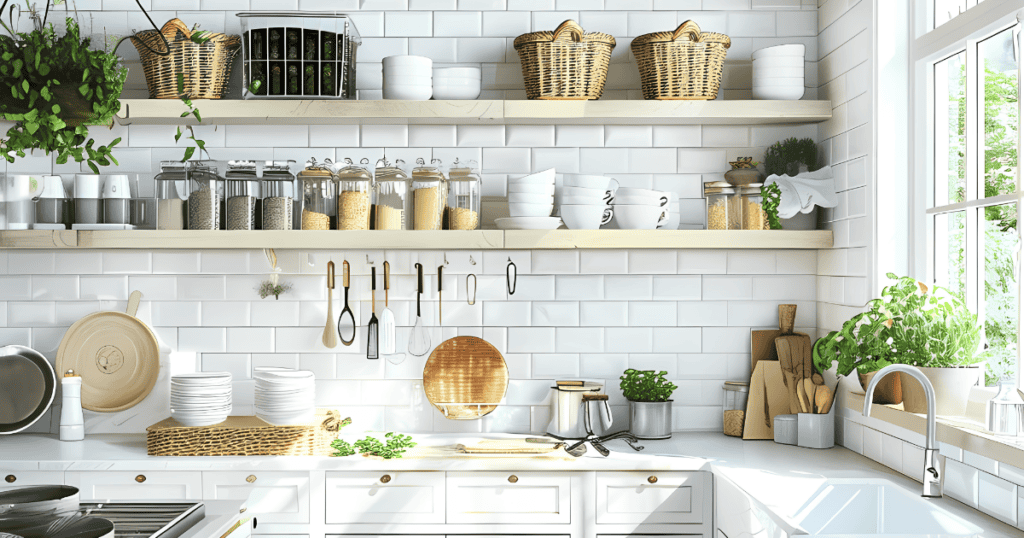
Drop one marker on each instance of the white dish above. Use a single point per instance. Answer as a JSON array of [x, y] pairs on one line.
[[531, 188], [778, 93], [780, 81], [528, 223], [408, 92], [584, 192], [530, 210], [585, 217], [408, 60], [546, 177], [639, 217], [466, 82], [402, 80], [639, 200], [779, 62], [281, 419], [406, 71], [587, 181], [458, 72], [529, 198], [200, 421], [200, 376], [762, 73], [796, 49], [582, 200], [455, 93]]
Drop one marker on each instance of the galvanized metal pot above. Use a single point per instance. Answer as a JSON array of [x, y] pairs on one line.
[[650, 420]]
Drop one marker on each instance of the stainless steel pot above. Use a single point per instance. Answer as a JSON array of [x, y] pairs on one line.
[[650, 420]]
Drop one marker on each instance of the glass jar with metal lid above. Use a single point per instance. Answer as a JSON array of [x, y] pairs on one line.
[[390, 196], [354, 185], [205, 199], [172, 189], [319, 198], [278, 186], [752, 203], [462, 211], [723, 211], [734, 406], [242, 187], [429, 194]]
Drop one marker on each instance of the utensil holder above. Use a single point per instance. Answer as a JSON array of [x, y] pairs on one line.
[[89, 210], [51, 210], [816, 430]]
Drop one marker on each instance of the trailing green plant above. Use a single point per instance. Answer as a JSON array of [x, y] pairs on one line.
[[785, 158], [192, 111], [55, 86], [646, 386], [268, 288], [393, 446], [771, 196], [909, 324]]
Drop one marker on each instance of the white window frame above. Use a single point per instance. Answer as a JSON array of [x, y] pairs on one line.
[[928, 46]]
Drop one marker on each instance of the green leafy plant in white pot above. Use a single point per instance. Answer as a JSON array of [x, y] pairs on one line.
[[650, 406], [912, 324]]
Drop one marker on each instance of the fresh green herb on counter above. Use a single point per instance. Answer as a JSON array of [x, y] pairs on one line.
[[771, 196], [342, 448], [646, 386], [393, 446]]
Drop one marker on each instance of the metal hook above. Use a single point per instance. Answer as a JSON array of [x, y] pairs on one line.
[[511, 276], [471, 297], [368, 260], [446, 259], [471, 260]]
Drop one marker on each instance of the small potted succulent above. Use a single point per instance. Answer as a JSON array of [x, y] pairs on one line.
[[650, 406]]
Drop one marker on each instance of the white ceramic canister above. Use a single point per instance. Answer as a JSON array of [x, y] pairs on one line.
[[72, 422]]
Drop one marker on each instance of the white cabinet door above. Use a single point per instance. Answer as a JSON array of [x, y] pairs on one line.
[[274, 497], [653, 497], [137, 486], [508, 498], [16, 479], [385, 497]]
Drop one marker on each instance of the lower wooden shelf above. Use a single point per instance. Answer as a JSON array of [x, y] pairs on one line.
[[418, 240]]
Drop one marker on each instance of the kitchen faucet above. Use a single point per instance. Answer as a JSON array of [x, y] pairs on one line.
[[931, 475]]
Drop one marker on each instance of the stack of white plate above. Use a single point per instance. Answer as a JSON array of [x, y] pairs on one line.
[[779, 73], [201, 398], [530, 202], [408, 77], [285, 396], [457, 82]]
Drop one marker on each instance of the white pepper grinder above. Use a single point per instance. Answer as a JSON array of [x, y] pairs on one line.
[[72, 423]]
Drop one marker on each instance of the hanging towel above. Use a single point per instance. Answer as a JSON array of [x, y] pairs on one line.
[[800, 194]]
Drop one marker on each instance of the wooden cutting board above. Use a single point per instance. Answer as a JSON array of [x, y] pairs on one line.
[[762, 341], [768, 398]]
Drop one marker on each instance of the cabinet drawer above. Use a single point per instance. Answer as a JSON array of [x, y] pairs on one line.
[[276, 497], [15, 479], [136, 486], [508, 498], [385, 497], [653, 497]]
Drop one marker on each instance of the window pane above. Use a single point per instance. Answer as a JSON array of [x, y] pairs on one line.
[[950, 129], [999, 72], [1001, 315], [949, 263]]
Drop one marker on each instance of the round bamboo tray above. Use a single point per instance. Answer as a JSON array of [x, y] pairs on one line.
[[465, 378]]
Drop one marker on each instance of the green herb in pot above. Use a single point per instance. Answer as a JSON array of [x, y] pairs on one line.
[[646, 386]]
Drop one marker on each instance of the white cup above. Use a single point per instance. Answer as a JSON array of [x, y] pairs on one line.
[[116, 186], [639, 217], [53, 187], [584, 192], [87, 186], [583, 200], [585, 217], [639, 200], [19, 188]]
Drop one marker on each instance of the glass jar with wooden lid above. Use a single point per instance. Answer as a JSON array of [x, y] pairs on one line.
[[354, 185], [390, 195], [462, 211], [205, 198], [172, 189], [723, 211], [319, 198], [278, 196], [429, 194], [752, 204], [242, 189]]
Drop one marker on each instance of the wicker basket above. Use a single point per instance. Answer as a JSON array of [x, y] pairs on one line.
[[206, 66], [685, 64], [246, 436], [565, 64]]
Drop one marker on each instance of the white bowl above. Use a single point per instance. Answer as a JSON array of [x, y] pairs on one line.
[[420, 72], [468, 82], [531, 188], [638, 200], [530, 210], [407, 92], [528, 223], [779, 93], [779, 81], [406, 60], [586, 181], [582, 200], [796, 49], [546, 177], [529, 198], [201, 421], [584, 192], [585, 217], [406, 80], [282, 419], [762, 73], [639, 217], [456, 93], [458, 72], [779, 62]]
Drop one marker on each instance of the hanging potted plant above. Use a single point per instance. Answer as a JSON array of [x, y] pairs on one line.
[[911, 324], [650, 409]]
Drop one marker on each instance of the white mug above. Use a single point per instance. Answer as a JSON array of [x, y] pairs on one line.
[[116, 186], [87, 186], [19, 188], [53, 187]]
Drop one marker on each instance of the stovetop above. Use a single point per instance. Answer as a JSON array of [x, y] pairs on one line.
[[146, 519]]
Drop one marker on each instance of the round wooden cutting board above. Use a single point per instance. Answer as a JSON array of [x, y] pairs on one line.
[[116, 355], [465, 370]]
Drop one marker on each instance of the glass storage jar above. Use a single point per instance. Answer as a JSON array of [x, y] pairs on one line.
[[723, 213], [390, 196], [243, 196], [752, 203], [354, 191], [278, 188], [734, 406], [171, 193], [318, 196], [462, 211], [429, 194], [205, 199]]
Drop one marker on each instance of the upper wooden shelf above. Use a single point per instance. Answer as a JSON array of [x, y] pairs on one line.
[[418, 240], [269, 112]]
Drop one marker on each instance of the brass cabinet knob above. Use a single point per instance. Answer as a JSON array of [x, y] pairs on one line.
[[10, 478], [141, 478], [652, 479], [251, 478], [385, 479], [513, 479]]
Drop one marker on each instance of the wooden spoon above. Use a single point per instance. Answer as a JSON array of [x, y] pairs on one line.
[[823, 399], [330, 339], [809, 390]]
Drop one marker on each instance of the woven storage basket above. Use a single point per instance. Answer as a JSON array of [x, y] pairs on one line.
[[246, 436], [566, 63], [685, 64], [462, 373], [206, 66]]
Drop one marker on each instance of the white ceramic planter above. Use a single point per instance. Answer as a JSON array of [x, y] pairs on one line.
[[952, 389]]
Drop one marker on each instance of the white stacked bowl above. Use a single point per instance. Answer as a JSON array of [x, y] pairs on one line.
[[532, 195], [201, 398], [779, 73], [284, 396], [457, 83], [640, 209], [408, 77], [583, 201]]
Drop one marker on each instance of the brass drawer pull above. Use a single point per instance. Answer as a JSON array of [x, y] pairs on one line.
[[251, 478], [141, 478], [513, 479], [652, 479], [10, 478], [385, 479]]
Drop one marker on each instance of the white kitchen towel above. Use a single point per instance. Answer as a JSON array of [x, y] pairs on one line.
[[805, 191]]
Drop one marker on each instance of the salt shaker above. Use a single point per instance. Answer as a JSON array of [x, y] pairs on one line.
[[72, 423]]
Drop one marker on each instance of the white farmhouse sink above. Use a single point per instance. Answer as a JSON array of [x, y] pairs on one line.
[[876, 507]]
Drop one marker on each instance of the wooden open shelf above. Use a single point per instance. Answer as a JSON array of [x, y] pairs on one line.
[[418, 240], [270, 112]]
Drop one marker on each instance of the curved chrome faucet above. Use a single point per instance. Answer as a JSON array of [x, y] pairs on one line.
[[931, 476]]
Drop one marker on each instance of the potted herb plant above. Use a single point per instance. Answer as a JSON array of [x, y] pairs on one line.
[[797, 184], [911, 324], [650, 409]]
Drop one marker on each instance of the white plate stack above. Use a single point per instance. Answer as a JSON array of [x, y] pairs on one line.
[[408, 77], [285, 396], [530, 202], [201, 398], [779, 73]]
